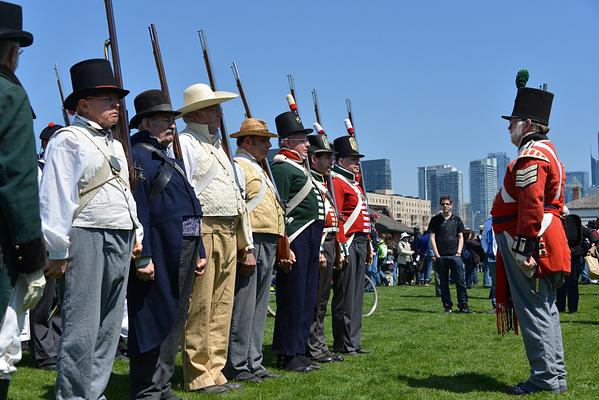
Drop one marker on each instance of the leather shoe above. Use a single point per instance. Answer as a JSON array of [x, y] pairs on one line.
[[266, 374], [247, 377], [323, 359], [214, 389], [232, 386], [336, 357], [293, 364], [527, 388], [363, 351], [308, 362]]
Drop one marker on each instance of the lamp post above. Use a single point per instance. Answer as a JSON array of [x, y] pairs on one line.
[[473, 214]]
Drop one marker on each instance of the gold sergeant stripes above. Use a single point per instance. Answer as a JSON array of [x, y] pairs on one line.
[[527, 176]]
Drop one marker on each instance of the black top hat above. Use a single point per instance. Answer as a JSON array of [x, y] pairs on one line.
[[91, 77], [11, 24], [288, 123], [319, 144], [48, 131], [533, 104], [150, 102], [346, 146]]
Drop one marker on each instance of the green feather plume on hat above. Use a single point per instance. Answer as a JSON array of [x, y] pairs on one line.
[[521, 78]]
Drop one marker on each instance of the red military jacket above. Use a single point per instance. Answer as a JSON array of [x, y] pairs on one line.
[[529, 206], [351, 202]]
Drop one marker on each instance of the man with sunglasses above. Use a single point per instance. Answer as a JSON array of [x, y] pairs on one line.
[[534, 256], [89, 220], [447, 241]]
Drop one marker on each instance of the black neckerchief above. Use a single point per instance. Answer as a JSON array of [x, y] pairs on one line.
[[317, 175], [342, 171], [11, 77], [536, 136]]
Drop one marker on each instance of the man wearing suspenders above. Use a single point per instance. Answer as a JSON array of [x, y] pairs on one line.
[[88, 220], [304, 207], [252, 287], [354, 227]]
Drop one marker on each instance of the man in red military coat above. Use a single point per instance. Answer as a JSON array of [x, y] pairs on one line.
[[534, 252]]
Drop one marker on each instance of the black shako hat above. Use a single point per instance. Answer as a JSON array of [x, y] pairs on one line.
[[11, 24], [150, 102], [346, 146], [288, 124], [48, 131], [319, 144], [533, 104], [91, 77]]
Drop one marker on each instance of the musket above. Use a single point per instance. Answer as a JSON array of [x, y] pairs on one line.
[[349, 125], [164, 83], [123, 125], [223, 130], [65, 114], [293, 107], [283, 249], [320, 130]]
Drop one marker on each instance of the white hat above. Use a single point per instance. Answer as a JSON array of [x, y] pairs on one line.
[[200, 96], [404, 235]]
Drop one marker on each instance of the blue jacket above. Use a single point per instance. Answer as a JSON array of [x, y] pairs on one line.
[[153, 305]]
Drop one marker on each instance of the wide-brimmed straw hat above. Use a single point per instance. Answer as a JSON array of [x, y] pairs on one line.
[[200, 96], [253, 127]]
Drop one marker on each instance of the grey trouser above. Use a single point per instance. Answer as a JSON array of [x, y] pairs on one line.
[[93, 302], [317, 346], [534, 304], [150, 373], [348, 296], [249, 310], [45, 327]]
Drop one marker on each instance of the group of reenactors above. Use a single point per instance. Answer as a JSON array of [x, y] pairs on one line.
[[192, 244], [187, 242]]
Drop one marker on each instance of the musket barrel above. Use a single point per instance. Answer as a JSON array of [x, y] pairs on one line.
[[65, 114], [246, 105]]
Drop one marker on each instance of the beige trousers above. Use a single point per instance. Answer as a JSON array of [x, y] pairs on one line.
[[209, 318]]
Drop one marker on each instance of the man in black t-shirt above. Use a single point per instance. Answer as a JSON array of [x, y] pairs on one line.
[[447, 241]]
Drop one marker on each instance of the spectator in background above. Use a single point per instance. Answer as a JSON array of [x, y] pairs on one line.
[[447, 241], [404, 259], [381, 252], [373, 269], [593, 239], [568, 292], [425, 262], [489, 246], [471, 256]]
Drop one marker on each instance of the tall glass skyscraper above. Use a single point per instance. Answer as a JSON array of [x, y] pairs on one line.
[[483, 188], [502, 162], [377, 174], [438, 180]]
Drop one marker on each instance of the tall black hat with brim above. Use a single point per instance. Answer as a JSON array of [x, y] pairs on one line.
[[346, 146], [11, 24], [289, 124], [90, 77], [533, 104], [151, 102], [48, 131], [319, 144]]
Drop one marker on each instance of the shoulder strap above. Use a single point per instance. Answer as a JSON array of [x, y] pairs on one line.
[[256, 200], [170, 162], [299, 196], [356, 212]]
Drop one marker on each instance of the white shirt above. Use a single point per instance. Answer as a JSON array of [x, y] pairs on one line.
[[72, 160]]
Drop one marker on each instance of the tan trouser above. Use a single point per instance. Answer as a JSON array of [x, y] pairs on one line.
[[209, 318]]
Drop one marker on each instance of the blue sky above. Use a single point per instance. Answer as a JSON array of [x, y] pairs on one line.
[[428, 79]]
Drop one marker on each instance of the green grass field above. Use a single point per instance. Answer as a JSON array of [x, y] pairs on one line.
[[418, 352]]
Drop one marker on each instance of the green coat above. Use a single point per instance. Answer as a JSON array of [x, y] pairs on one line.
[[289, 181], [19, 195]]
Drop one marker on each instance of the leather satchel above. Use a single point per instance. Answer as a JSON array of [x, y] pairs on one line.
[[283, 249]]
